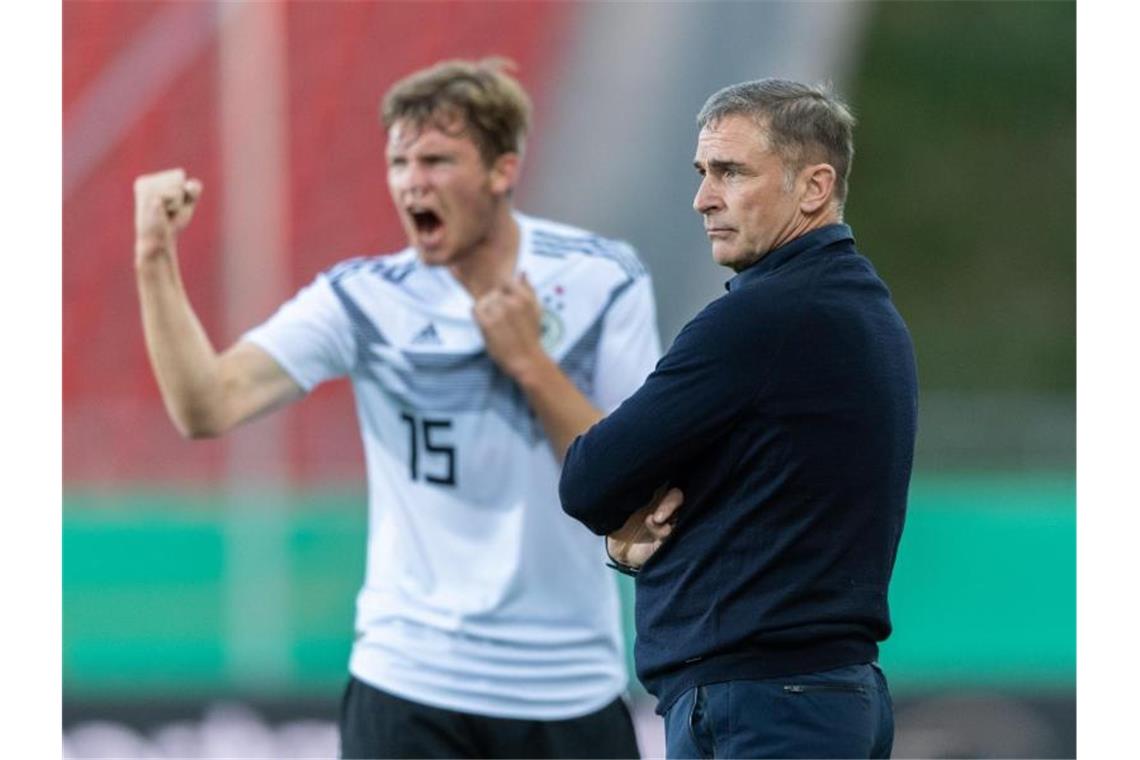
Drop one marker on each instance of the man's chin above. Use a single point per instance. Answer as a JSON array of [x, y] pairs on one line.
[[435, 256], [733, 258], [724, 255]]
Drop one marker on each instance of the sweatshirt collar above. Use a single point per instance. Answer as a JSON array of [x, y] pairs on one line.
[[777, 257]]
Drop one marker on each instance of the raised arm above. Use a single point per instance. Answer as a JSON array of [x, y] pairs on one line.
[[205, 393]]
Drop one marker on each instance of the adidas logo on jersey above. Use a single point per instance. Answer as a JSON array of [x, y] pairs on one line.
[[427, 336]]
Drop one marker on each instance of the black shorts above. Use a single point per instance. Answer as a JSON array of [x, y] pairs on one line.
[[376, 724]]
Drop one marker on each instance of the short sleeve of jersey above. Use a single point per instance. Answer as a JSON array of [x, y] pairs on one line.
[[310, 336], [629, 347]]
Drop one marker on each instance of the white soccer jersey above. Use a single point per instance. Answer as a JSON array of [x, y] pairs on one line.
[[480, 595]]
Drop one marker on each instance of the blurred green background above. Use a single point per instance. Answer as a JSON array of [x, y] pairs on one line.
[[984, 591]]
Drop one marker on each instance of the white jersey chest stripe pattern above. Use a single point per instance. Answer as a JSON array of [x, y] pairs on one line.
[[551, 244], [479, 594], [463, 382]]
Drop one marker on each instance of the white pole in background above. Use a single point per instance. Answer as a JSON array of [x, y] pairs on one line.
[[254, 203]]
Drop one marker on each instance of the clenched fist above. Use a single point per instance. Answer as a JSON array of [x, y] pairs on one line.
[[164, 203], [509, 318]]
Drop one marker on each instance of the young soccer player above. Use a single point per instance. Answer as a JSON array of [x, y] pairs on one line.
[[488, 625]]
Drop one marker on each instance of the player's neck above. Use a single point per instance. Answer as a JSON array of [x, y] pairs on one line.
[[492, 261]]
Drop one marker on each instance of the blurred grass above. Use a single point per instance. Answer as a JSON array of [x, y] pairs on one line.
[[984, 590]]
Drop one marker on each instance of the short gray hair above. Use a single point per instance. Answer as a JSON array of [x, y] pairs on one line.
[[802, 122]]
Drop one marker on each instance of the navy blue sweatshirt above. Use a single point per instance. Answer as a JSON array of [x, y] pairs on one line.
[[785, 411]]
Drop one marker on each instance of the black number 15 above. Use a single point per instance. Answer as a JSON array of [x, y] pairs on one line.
[[430, 448]]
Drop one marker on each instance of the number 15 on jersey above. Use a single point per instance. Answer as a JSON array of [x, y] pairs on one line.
[[439, 458]]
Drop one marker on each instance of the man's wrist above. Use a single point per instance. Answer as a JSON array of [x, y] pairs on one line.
[[149, 253], [623, 568], [617, 564], [532, 371]]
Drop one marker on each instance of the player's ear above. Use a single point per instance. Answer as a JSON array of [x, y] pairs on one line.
[[505, 173], [819, 187]]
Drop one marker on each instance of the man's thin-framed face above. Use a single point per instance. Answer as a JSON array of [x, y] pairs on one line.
[[744, 199], [442, 188]]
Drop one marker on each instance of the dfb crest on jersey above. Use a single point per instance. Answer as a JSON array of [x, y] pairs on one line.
[[551, 329]]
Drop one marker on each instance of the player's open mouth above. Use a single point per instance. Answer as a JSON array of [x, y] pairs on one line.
[[428, 225], [426, 221]]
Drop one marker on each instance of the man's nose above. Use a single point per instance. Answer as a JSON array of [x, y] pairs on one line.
[[706, 200], [412, 180]]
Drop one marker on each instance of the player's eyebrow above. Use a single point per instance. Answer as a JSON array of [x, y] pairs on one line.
[[431, 157]]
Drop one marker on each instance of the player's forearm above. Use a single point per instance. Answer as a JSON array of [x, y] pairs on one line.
[[184, 361], [565, 413]]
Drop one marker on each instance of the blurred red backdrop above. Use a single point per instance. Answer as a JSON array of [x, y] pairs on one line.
[[118, 123]]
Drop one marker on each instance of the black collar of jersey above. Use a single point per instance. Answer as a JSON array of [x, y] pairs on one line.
[[824, 236]]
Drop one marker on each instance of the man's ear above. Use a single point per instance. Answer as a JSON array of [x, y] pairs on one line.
[[819, 187], [505, 173]]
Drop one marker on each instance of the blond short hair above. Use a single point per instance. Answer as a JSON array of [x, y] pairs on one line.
[[476, 97]]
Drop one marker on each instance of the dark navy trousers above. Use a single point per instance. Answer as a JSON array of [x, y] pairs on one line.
[[844, 712]]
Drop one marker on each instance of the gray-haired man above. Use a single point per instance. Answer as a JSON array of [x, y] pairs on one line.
[[785, 412]]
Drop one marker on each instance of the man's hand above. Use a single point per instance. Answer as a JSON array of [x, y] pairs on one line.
[[646, 529], [164, 203], [509, 318]]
